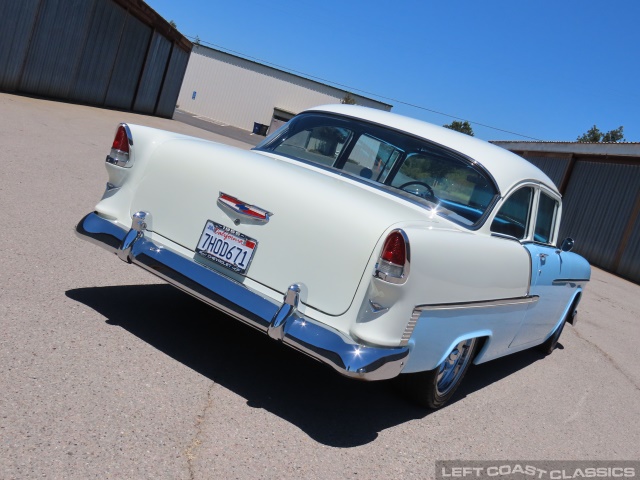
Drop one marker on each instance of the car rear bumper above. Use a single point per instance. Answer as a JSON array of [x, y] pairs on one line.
[[282, 321]]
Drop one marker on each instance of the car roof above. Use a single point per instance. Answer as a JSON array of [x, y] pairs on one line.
[[507, 169]]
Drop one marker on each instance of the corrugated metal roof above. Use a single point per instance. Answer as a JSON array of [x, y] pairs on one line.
[[620, 148], [146, 14]]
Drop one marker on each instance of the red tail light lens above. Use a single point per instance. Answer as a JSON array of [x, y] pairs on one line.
[[121, 147], [121, 142], [394, 250], [393, 264]]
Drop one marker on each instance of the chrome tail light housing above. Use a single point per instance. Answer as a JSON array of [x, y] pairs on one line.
[[394, 260], [121, 149]]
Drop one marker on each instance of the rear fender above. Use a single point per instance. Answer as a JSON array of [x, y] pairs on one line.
[[122, 181]]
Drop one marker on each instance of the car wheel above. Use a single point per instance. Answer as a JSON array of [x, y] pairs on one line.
[[549, 345], [434, 388]]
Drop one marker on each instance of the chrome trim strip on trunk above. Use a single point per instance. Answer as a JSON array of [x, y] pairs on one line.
[[280, 320]]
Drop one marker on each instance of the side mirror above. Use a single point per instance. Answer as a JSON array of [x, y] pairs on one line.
[[567, 244]]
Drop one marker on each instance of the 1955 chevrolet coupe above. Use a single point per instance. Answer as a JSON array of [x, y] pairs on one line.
[[377, 244]]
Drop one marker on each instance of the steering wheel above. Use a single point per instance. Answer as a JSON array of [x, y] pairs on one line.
[[429, 195]]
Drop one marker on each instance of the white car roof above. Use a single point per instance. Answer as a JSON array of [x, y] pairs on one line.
[[508, 169]]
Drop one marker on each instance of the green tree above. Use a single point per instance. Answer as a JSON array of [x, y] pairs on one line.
[[614, 136], [463, 127], [594, 135]]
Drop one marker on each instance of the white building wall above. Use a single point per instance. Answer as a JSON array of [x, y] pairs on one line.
[[239, 92]]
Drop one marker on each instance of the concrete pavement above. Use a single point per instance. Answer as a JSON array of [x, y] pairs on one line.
[[106, 372]]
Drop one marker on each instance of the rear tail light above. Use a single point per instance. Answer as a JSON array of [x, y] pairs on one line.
[[121, 148], [393, 263]]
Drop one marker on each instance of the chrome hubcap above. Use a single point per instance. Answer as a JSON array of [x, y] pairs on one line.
[[452, 368]]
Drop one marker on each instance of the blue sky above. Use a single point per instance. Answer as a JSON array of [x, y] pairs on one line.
[[544, 69]]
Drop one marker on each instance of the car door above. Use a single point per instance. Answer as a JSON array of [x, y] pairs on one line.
[[542, 316]]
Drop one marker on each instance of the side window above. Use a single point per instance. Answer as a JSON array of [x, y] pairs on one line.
[[545, 220], [318, 144], [513, 217], [372, 158]]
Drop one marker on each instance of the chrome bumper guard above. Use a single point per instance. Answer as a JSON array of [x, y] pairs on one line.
[[280, 321]]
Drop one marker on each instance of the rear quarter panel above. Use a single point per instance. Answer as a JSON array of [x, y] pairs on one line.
[[448, 266]]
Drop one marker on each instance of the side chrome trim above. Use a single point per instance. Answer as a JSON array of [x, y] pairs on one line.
[[530, 270], [480, 304], [417, 311], [505, 236], [572, 282], [408, 330], [279, 320]]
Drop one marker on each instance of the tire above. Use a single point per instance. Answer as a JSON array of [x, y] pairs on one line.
[[549, 345], [434, 388]]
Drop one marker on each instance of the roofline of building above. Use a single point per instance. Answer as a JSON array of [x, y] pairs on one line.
[[631, 149], [292, 74], [149, 16]]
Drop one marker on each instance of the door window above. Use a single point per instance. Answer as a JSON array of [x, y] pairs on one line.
[[545, 219], [513, 217]]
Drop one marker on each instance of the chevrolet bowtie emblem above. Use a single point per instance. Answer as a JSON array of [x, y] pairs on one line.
[[241, 211]]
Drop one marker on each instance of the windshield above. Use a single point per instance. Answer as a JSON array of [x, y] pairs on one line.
[[398, 162]]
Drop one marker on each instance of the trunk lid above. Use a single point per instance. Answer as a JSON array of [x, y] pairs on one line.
[[322, 233]]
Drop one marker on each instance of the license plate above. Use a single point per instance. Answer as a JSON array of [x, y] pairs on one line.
[[226, 246]]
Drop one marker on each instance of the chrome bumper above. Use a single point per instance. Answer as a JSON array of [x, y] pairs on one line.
[[280, 321]]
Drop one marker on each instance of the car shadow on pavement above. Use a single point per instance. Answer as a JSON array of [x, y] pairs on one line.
[[333, 410]]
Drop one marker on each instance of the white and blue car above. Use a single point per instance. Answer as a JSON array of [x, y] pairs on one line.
[[380, 245]]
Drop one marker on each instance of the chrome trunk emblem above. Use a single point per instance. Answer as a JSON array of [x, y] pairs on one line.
[[242, 212]]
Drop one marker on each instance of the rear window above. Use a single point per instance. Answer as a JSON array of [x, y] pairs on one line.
[[416, 169]]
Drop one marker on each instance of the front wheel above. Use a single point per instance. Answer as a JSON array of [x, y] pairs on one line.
[[435, 387]]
